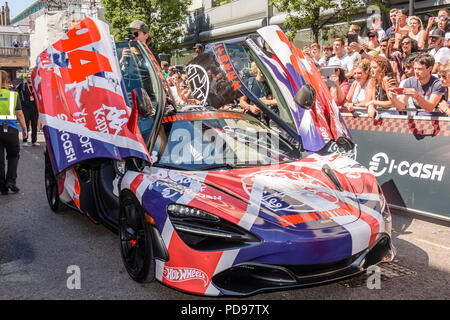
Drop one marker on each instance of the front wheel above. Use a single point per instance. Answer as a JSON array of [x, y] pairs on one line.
[[135, 239]]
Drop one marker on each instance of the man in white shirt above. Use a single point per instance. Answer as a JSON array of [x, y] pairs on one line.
[[350, 60], [440, 53], [339, 54]]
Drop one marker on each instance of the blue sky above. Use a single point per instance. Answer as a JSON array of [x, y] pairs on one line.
[[17, 6]]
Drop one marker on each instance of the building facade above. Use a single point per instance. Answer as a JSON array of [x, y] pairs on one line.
[[14, 47]]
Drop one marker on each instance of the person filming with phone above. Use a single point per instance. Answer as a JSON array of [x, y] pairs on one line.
[[425, 89]]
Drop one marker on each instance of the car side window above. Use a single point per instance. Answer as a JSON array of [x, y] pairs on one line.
[[138, 74]]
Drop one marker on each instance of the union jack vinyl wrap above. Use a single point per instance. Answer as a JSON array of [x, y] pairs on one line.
[[85, 113], [234, 227], [320, 124], [296, 198]]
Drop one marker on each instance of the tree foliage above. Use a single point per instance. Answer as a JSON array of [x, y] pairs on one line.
[[318, 13], [165, 19]]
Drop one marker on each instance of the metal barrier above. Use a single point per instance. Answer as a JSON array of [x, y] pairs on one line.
[[409, 155]]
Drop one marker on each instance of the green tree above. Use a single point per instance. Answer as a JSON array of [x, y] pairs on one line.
[[318, 13], [165, 19]]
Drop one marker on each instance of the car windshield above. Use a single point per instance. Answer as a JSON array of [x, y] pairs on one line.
[[210, 140]]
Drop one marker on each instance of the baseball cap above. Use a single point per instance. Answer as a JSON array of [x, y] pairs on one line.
[[438, 33], [199, 46], [139, 25], [372, 33]]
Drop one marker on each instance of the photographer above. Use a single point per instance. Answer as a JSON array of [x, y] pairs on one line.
[[439, 22], [340, 86], [138, 30]]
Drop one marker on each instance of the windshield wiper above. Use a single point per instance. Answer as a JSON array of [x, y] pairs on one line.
[[225, 165], [166, 166]]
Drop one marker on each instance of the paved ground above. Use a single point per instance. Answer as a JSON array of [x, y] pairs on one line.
[[37, 247]]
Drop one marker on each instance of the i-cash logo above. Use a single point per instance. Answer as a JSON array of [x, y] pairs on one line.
[[382, 164]]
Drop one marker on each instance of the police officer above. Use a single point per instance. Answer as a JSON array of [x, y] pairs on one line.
[[29, 109], [10, 112]]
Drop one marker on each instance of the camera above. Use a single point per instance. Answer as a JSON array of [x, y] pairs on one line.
[[129, 37]]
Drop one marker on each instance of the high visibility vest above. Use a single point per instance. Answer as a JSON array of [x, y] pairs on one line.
[[8, 100]]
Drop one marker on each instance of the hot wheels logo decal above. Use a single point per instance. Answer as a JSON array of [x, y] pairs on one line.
[[180, 274]]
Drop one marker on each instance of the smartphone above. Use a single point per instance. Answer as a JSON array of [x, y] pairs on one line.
[[352, 37], [392, 35], [436, 19], [390, 74], [399, 90], [327, 72]]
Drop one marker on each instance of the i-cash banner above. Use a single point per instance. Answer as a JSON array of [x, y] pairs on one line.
[[81, 99], [409, 156]]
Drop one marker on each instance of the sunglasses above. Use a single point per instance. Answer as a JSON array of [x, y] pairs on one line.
[[136, 34], [404, 43]]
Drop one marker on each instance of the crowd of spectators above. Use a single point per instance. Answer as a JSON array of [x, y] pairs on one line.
[[403, 67], [400, 69], [178, 83]]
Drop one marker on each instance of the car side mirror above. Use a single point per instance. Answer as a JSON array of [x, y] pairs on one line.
[[305, 97], [142, 102]]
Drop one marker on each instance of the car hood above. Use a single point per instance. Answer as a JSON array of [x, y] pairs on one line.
[[81, 99], [313, 193]]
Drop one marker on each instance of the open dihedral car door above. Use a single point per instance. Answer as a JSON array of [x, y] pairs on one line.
[[322, 123], [81, 99]]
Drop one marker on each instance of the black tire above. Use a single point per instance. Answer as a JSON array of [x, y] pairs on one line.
[[51, 188], [135, 239]]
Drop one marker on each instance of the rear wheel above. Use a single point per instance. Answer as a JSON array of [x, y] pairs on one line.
[[135, 239], [51, 187]]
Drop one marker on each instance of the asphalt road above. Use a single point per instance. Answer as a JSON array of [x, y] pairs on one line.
[[38, 246]]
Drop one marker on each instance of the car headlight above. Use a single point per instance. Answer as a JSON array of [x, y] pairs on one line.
[[205, 231], [180, 211]]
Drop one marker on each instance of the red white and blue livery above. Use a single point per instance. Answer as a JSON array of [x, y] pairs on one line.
[[208, 199]]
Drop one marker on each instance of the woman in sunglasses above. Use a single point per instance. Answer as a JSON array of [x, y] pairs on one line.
[[407, 46]]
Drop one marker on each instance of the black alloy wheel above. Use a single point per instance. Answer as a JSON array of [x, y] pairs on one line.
[[135, 239], [51, 187]]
